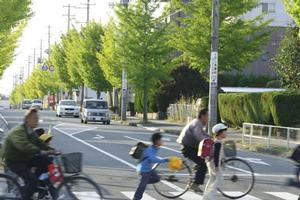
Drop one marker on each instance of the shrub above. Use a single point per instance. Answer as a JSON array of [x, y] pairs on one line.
[[285, 108], [279, 108], [274, 84]]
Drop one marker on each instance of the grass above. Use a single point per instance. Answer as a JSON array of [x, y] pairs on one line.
[[260, 148]]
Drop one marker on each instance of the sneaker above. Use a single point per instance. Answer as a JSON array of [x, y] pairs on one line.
[[196, 188]]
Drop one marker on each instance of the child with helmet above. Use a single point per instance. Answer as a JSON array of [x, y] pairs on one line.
[[214, 163]]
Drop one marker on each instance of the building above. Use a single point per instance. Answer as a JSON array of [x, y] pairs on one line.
[[273, 10]]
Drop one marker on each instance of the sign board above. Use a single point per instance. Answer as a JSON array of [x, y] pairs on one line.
[[44, 67], [214, 68], [51, 68]]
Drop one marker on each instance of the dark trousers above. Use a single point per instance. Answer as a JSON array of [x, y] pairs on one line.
[[24, 170], [192, 154], [146, 178]]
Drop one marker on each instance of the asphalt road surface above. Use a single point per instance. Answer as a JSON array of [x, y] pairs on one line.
[[106, 159]]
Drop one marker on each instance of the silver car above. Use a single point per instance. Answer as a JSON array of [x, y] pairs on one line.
[[95, 110], [67, 108]]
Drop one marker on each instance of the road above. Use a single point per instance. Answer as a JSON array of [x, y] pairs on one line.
[[106, 158]]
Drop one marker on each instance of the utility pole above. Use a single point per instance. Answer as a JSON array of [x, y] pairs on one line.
[[84, 89], [28, 66], [69, 15], [41, 52], [213, 83], [124, 81], [49, 40], [34, 58]]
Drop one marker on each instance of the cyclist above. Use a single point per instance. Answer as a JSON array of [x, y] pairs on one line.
[[189, 138], [23, 150]]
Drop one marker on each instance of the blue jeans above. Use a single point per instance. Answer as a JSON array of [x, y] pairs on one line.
[[146, 178]]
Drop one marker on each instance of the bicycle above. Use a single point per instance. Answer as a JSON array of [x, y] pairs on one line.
[[237, 172], [73, 186]]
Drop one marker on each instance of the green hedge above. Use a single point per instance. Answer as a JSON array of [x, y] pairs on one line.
[[279, 108], [285, 108]]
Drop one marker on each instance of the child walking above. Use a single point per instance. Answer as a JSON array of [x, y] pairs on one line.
[[215, 163], [149, 175]]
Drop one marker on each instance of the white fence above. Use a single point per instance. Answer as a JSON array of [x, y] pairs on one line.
[[270, 135], [182, 112]]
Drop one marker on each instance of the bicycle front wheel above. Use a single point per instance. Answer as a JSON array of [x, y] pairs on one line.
[[79, 188], [237, 174], [173, 184], [9, 188]]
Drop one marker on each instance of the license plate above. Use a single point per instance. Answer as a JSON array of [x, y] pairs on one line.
[[98, 118]]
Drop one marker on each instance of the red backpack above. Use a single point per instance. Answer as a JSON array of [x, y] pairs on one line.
[[205, 149]]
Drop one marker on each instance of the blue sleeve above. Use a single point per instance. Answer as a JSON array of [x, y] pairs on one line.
[[154, 159]]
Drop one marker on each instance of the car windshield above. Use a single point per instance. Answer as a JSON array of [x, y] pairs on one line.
[[37, 101], [27, 102], [96, 104], [68, 103]]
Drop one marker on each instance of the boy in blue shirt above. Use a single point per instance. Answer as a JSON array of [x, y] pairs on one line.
[[148, 175]]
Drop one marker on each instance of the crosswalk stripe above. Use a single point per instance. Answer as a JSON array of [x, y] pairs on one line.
[[188, 196], [284, 195], [131, 194], [247, 197]]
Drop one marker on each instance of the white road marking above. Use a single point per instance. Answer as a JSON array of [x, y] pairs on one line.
[[2, 117], [255, 160], [97, 149], [131, 194], [188, 196], [98, 137], [108, 154], [85, 130], [87, 195], [247, 197], [284, 195], [163, 147]]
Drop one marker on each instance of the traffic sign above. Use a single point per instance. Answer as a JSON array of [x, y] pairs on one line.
[[44, 67], [51, 68]]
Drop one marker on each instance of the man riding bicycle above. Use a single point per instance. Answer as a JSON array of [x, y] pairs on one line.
[[189, 138], [23, 150]]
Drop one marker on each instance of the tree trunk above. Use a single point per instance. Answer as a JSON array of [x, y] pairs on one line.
[[110, 99], [82, 94], [145, 105], [98, 94], [115, 100]]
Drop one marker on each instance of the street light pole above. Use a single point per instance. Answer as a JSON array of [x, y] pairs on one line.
[[124, 81], [213, 83]]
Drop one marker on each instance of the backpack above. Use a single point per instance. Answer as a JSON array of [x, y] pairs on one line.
[[296, 155], [137, 150], [205, 149]]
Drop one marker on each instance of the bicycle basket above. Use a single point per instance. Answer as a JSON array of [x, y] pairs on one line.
[[229, 149], [72, 162]]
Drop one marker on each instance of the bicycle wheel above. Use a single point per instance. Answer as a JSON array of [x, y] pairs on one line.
[[9, 188], [237, 174], [79, 188], [173, 184]]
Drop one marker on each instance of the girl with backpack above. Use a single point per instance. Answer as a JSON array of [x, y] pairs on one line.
[[214, 163]]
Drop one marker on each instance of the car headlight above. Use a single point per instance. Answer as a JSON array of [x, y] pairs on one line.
[[89, 113]]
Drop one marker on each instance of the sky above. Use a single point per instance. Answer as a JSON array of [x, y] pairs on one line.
[[45, 13]]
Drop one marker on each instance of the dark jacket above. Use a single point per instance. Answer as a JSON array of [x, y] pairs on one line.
[[21, 145]]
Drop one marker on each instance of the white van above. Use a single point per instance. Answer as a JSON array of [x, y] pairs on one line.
[[94, 110]]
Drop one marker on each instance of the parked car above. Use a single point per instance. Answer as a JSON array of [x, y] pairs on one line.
[[67, 108], [37, 103], [94, 110], [26, 104]]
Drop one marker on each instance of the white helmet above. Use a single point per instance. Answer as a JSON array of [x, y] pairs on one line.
[[219, 127]]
